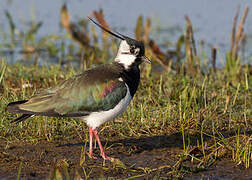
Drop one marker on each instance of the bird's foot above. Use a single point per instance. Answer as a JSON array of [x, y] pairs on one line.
[[104, 156], [92, 156]]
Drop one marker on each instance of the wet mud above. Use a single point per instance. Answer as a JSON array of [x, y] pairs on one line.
[[142, 158]]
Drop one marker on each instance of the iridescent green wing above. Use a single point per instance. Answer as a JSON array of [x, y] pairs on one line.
[[77, 96], [97, 97]]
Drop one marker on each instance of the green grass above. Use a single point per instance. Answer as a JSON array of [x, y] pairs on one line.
[[208, 107]]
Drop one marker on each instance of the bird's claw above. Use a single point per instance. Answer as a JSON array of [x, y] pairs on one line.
[[92, 156], [104, 156]]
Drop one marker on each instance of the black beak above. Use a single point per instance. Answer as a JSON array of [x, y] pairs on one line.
[[145, 59]]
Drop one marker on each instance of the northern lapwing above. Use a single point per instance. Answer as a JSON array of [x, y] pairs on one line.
[[96, 96]]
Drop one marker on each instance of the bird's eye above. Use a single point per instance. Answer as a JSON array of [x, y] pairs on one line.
[[134, 50]]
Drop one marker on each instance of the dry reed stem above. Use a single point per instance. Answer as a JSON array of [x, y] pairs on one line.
[[214, 52], [243, 44], [189, 23], [73, 29], [160, 55], [166, 68], [139, 28], [147, 29], [239, 33], [234, 29], [190, 44], [100, 18], [65, 18]]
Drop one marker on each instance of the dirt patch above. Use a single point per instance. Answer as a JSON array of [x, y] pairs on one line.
[[224, 169], [143, 158]]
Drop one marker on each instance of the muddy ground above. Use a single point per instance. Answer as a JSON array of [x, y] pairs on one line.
[[144, 158]]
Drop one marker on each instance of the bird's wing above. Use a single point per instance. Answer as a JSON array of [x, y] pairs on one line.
[[76, 97]]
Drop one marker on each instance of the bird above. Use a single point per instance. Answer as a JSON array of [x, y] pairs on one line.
[[95, 96]]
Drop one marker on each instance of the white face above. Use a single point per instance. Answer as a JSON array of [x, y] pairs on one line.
[[124, 56]]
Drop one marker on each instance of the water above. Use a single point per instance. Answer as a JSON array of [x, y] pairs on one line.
[[212, 19]]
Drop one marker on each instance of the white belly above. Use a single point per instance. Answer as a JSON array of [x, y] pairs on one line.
[[96, 119]]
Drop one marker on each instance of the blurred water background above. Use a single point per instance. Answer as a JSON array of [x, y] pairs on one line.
[[212, 19]]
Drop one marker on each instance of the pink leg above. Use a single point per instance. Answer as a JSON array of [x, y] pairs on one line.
[[91, 143], [100, 145]]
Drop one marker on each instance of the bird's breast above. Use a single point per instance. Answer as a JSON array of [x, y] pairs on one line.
[[95, 119]]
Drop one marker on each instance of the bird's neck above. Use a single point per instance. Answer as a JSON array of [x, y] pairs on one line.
[[130, 76]]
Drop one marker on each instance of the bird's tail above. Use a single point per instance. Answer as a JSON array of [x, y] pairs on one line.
[[13, 108], [21, 118]]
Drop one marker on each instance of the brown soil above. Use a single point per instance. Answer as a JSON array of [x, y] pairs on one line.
[[144, 157]]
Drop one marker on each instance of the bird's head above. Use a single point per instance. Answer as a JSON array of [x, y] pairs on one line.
[[131, 52]]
